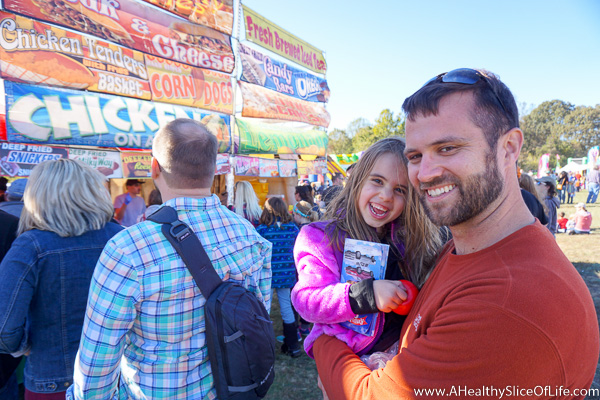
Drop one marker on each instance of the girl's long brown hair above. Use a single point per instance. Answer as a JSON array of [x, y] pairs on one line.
[[275, 211], [422, 239]]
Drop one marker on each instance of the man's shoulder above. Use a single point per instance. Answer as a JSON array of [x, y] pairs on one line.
[[7, 219], [8, 205], [138, 234]]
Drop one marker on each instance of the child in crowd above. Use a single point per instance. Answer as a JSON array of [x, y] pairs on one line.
[[570, 225], [304, 214], [277, 227], [378, 205], [562, 223], [571, 189]]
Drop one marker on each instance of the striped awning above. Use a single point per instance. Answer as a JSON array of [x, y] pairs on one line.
[[333, 167]]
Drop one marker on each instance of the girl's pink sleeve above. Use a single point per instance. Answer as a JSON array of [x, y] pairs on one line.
[[318, 295]]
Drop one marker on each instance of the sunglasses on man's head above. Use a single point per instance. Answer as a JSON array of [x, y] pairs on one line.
[[466, 76]]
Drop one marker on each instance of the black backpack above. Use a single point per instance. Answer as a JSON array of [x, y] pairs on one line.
[[239, 331]]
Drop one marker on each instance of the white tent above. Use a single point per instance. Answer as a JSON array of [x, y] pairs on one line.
[[573, 167]]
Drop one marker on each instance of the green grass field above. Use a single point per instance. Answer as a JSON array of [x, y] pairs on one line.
[[296, 379], [584, 252]]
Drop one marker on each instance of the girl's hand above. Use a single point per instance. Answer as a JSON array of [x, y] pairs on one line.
[[388, 294]]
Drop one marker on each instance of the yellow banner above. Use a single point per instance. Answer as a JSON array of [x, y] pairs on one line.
[[263, 32]]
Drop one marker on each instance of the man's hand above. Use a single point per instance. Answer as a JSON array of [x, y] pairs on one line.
[[128, 198], [388, 294]]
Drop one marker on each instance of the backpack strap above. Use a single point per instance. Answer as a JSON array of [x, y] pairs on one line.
[[188, 246]]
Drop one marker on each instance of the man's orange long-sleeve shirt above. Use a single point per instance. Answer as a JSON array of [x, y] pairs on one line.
[[516, 317]]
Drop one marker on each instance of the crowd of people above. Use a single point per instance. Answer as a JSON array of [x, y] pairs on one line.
[[100, 304], [544, 196]]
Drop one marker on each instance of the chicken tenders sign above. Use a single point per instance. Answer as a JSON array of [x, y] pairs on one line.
[[136, 25]]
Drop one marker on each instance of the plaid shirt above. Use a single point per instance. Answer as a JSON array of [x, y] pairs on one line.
[[144, 324]]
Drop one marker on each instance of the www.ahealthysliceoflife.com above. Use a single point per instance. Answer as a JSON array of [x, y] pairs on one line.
[[506, 392]]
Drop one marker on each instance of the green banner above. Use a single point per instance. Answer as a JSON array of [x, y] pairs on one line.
[[261, 138]]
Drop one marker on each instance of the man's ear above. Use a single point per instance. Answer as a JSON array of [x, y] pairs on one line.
[[511, 143], [155, 169]]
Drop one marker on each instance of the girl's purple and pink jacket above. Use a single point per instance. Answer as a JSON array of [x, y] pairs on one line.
[[319, 297]]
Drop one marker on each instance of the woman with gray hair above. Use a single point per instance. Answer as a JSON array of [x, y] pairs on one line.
[[45, 276]]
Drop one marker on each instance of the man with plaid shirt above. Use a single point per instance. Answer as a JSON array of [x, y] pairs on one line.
[[143, 334]]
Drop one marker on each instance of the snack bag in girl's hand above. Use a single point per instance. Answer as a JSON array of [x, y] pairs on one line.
[[363, 260]]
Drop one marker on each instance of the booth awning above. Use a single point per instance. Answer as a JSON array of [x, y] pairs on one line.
[[333, 167]]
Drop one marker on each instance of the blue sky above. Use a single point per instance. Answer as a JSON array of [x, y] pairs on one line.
[[380, 52]]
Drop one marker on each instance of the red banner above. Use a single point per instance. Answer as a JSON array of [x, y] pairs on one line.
[[136, 25], [264, 103]]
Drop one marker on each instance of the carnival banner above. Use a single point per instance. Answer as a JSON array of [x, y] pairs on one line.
[[316, 167], [263, 32], [2, 112], [136, 164], [19, 159], [178, 83], [264, 103], [52, 56], [246, 166], [287, 168], [223, 165], [543, 165], [263, 138], [62, 116], [136, 25], [216, 14], [593, 157], [83, 62], [261, 70], [268, 168], [108, 163]]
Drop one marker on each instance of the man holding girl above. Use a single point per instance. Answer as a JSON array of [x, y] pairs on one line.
[[504, 307]]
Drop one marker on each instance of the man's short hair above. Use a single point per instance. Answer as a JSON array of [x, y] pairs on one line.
[[131, 182], [187, 154], [494, 115]]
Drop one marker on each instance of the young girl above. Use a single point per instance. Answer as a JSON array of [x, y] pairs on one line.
[[305, 193], [304, 213], [277, 227], [378, 205]]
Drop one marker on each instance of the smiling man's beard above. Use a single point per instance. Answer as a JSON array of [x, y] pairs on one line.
[[477, 192]]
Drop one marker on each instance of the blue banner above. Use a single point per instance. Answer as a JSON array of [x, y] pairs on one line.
[[38, 114], [260, 69]]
